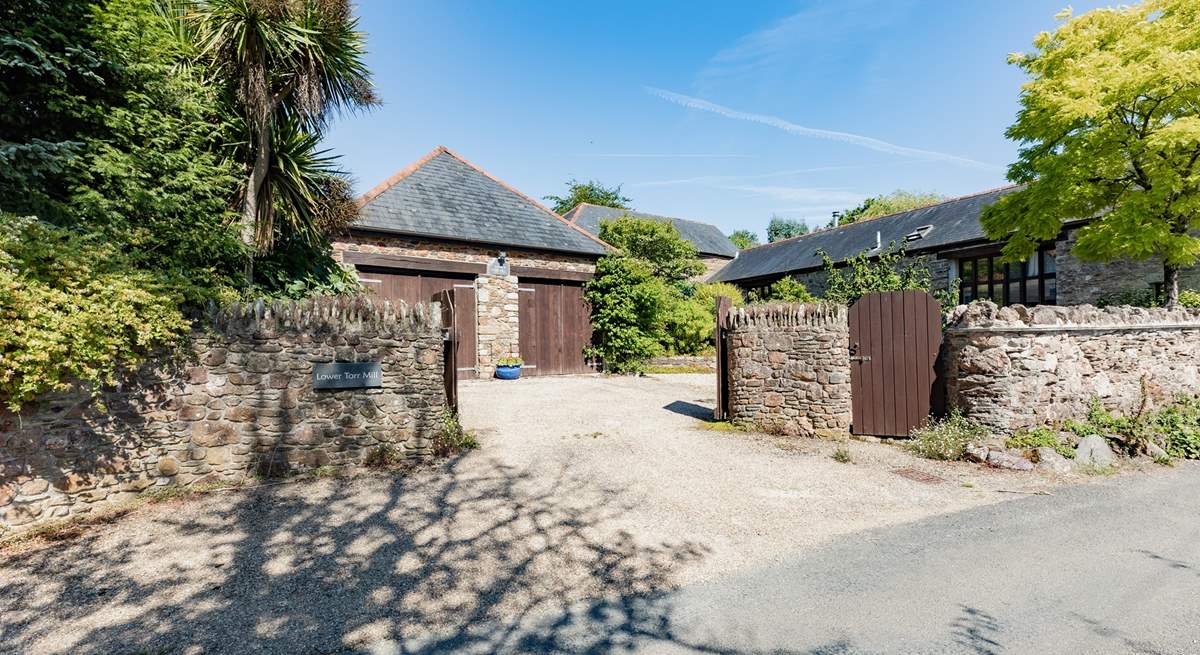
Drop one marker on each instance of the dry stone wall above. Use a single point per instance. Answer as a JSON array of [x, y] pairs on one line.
[[789, 369], [1018, 367], [239, 400]]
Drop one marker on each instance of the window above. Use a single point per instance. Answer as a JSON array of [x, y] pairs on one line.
[[1031, 282]]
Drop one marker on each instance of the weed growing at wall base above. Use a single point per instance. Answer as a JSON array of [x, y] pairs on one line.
[[453, 438], [948, 438]]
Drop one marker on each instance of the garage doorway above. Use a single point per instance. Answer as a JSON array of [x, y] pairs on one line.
[[414, 287], [555, 327]]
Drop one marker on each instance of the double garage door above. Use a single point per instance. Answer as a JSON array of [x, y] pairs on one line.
[[418, 287], [555, 327], [554, 319]]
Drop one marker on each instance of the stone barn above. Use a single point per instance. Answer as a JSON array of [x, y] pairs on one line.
[[516, 269]]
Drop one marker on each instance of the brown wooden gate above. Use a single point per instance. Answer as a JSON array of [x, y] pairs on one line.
[[555, 327], [721, 413], [894, 342], [450, 343]]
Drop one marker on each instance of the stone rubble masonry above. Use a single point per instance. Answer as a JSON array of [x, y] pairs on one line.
[[237, 400], [789, 369], [498, 332], [1082, 281], [712, 264], [408, 247], [1017, 367]]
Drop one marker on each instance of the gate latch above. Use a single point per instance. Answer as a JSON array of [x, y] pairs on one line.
[[855, 357]]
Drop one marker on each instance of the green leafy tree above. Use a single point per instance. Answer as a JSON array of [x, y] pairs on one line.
[[289, 66], [690, 321], [863, 274], [891, 203], [785, 289], [1110, 128], [656, 243], [744, 239], [146, 166], [591, 192], [628, 303], [785, 228]]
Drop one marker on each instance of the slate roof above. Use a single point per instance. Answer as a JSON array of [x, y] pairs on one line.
[[707, 238], [443, 196], [952, 222]]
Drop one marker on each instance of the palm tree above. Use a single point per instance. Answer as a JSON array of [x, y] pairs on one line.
[[289, 65]]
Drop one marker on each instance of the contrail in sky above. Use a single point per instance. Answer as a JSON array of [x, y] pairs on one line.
[[800, 130]]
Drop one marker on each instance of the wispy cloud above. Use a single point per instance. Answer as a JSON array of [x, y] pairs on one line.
[[656, 155], [812, 132], [726, 179], [805, 196], [815, 34]]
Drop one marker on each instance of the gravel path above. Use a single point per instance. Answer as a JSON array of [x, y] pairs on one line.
[[605, 489]]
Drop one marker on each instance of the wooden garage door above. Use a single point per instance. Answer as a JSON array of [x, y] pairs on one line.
[[418, 287], [555, 327]]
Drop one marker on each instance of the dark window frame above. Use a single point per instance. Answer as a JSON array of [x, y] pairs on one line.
[[1032, 288]]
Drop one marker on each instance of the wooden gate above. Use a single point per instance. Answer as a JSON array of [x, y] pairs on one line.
[[721, 413], [450, 341], [894, 342]]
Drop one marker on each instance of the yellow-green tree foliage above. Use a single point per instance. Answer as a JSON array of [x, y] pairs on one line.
[[1110, 127], [891, 203], [72, 308]]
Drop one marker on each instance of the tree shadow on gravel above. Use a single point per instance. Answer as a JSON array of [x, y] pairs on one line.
[[462, 559]]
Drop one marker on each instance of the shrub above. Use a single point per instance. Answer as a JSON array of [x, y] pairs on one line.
[[1189, 298], [947, 438], [707, 294], [688, 324], [628, 305], [72, 308], [863, 274], [1176, 426], [1180, 426], [1041, 437], [785, 289]]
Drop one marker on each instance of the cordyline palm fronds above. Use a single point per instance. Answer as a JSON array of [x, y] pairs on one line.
[[288, 65]]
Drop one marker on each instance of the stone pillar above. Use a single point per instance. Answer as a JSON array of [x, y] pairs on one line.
[[789, 369], [499, 333]]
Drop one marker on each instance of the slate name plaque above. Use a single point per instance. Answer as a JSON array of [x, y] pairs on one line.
[[347, 375]]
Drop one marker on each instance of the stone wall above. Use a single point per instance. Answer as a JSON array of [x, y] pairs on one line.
[[712, 264], [406, 247], [238, 400], [1089, 282], [1017, 367], [789, 368], [498, 332], [694, 362]]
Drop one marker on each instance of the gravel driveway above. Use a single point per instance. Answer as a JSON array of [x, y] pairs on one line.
[[586, 488]]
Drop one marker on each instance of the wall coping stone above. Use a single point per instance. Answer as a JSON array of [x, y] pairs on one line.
[[985, 315], [787, 315], [320, 314]]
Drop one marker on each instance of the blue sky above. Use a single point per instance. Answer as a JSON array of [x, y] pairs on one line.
[[725, 112]]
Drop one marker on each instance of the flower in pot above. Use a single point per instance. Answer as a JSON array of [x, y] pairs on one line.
[[509, 368]]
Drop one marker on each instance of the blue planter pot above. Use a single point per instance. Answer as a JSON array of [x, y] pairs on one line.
[[508, 372]]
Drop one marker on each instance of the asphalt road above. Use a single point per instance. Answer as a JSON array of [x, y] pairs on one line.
[[1104, 568]]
